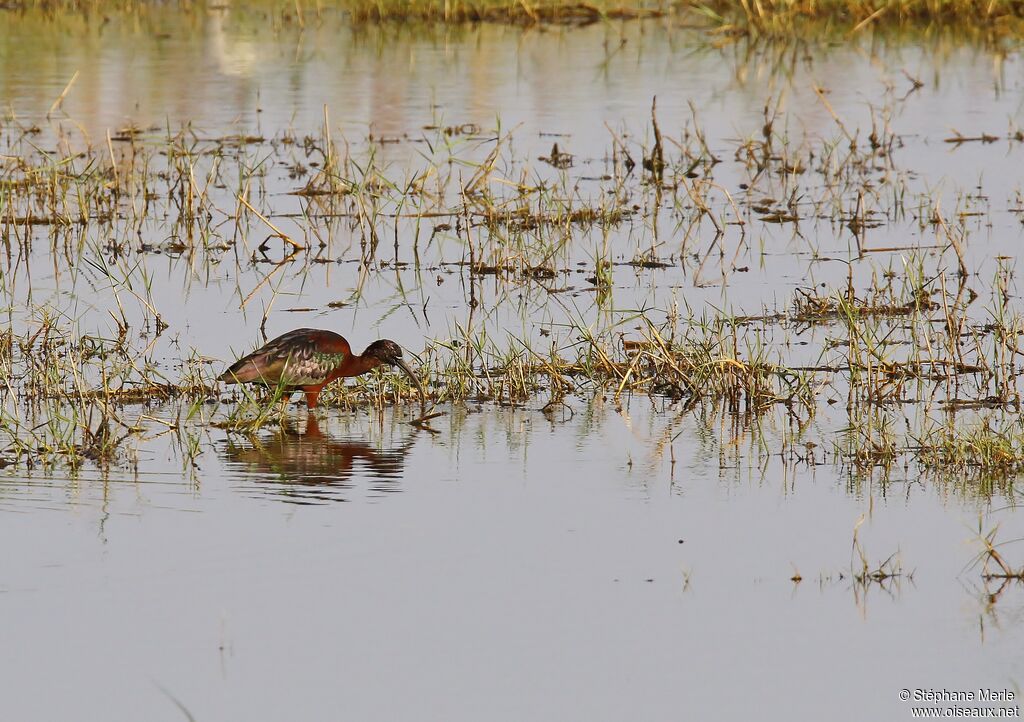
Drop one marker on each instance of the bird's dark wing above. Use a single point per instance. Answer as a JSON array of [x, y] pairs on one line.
[[293, 359]]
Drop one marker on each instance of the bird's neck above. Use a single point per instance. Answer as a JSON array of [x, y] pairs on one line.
[[355, 365]]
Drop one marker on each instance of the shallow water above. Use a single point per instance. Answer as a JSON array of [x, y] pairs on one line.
[[611, 559], [511, 567]]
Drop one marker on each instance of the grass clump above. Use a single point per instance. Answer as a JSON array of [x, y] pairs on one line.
[[993, 565], [982, 449], [789, 17]]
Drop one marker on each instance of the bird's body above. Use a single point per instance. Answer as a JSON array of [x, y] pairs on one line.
[[307, 359]]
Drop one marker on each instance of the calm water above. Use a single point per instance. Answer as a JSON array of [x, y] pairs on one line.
[[512, 567], [604, 562]]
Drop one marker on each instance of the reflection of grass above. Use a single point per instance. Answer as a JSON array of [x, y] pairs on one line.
[[451, 11], [768, 17]]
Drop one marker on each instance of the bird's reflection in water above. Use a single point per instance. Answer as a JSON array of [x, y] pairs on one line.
[[308, 466]]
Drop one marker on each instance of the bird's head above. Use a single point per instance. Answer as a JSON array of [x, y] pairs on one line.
[[390, 353], [385, 351]]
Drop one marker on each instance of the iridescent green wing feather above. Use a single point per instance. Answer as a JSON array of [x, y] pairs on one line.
[[308, 367]]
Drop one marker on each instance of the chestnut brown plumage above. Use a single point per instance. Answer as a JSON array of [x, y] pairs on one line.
[[307, 359]]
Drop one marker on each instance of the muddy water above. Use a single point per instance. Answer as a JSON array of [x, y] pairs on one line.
[[607, 561]]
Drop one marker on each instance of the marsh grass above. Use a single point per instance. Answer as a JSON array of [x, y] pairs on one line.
[[993, 565], [774, 18], [526, 234], [886, 574], [985, 449], [792, 17]]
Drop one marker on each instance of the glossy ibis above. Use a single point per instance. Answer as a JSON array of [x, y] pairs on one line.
[[307, 359]]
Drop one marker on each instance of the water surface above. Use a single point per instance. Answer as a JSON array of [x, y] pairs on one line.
[[615, 558]]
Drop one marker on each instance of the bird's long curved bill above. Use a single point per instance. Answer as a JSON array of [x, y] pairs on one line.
[[412, 376]]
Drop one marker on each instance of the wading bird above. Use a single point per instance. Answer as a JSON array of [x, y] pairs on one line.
[[308, 359]]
